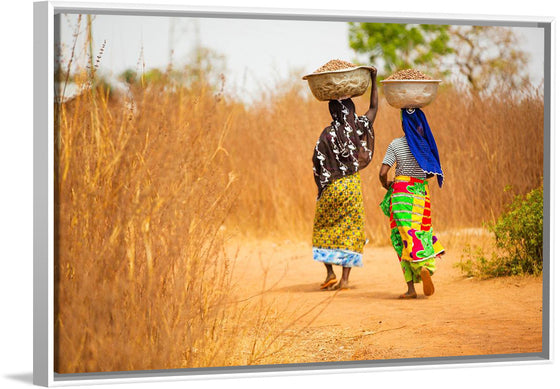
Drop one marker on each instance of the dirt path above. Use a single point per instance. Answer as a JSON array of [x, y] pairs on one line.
[[367, 322]]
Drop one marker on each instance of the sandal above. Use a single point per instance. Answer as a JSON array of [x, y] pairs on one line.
[[328, 283], [427, 283]]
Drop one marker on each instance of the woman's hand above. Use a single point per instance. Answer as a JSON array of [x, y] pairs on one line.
[[383, 176]]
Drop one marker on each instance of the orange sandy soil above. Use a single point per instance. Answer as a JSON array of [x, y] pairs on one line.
[[368, 322]]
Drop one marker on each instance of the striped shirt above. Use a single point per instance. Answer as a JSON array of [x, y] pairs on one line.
[[399, 152]]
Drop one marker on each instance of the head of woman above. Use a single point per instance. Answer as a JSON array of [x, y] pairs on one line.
[[414, 120], [342, 110]]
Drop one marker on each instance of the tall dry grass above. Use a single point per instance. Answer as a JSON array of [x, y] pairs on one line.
[[486, 144], [149, 190], [141, 278]]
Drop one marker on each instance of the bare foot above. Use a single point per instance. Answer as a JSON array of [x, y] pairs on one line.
[[342, 285], [427, 283], [408, 295]]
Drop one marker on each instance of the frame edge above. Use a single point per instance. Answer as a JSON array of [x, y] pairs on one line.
[[41, 302], [42, 292]]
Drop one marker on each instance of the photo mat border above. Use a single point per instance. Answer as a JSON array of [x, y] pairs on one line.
[[43, 192]]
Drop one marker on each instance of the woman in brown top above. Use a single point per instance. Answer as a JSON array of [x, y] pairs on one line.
[[344, 148]]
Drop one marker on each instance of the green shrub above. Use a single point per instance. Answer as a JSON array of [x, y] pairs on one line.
[[520, 233], [478, 265], [519, 236]]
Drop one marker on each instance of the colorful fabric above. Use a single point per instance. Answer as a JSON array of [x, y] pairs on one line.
[[338, 257], [338, 227], [407, 203], [421, 142], [344, 147], [411, 270]]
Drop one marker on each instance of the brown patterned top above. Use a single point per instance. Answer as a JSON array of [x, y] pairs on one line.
[[344, 147]]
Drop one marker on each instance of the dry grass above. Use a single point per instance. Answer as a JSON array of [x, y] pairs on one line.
[[138, 274], [142, 279], [486, 144], [146, 198]]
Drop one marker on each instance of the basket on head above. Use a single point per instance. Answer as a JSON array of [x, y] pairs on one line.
[[410, 93], [341, 83], [409, 88]]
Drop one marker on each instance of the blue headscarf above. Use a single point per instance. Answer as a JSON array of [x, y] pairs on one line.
[[421, 142]]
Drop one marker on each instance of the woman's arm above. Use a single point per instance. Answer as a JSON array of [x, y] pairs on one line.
[[372, 111], [383, 176]]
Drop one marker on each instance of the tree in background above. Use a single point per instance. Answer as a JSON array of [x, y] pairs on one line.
[[482, 56], [487, 55], [394, 46]]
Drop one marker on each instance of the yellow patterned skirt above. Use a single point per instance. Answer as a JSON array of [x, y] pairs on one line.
[[338, 228]]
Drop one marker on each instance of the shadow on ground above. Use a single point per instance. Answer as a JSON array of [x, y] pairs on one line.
[[26, 378]]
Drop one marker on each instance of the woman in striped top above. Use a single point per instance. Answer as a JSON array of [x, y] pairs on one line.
[[407, 202]]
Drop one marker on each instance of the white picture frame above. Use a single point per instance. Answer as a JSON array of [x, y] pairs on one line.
[[44, 13]]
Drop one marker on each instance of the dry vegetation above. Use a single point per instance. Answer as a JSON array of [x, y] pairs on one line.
[[486, 144], [147, 195], [141, 278]]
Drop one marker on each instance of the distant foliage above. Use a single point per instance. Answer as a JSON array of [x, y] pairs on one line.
[[487, 56], [519, 236], [398, 46], [484, 57], [204, 67]]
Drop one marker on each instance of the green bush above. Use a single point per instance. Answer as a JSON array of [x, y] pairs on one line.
[[519, 236], [477, 264]]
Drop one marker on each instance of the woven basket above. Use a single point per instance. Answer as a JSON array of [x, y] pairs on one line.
[[338, 84], [410, 93]]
